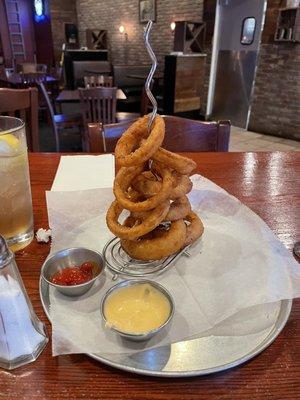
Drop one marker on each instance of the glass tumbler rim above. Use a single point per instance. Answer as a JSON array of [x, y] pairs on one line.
[[20, 122]]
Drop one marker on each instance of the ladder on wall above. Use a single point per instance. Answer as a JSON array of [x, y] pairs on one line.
[[15, 31]]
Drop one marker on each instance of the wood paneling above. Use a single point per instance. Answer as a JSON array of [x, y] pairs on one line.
[[184, 80], [189, 83], [270, 21]]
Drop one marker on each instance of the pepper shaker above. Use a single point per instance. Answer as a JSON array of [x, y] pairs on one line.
[[22, 334]]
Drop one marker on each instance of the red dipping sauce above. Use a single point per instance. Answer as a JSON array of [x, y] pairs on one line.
[[74, 275]]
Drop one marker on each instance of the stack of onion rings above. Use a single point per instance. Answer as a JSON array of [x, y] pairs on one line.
[[161, 221]]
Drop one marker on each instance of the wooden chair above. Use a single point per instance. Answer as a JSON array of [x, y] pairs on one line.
[[23, 103], [182, 134], [3, 78], [60, 121], [98, 104], [41, 68], [58, 73], [91, 81], [2, 72], [26, 68]]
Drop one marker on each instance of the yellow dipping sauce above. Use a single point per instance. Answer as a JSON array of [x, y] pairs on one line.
[[137, 308]]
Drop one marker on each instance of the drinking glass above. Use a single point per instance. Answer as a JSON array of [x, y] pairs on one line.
[[16, 217]]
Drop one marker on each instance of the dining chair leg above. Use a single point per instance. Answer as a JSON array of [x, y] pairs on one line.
[[57, 144], [57, 108]]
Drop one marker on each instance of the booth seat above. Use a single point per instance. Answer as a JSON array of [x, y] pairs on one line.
[[132, 87], [85, 68]]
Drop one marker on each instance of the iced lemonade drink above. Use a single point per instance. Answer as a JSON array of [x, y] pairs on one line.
[[16, 217]]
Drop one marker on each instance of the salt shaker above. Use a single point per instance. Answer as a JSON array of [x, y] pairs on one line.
[[22, 334]]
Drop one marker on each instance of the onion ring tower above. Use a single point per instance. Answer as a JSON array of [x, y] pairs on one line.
[[152, 184]]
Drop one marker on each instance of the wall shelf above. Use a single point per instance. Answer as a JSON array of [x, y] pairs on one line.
[[288, 25]]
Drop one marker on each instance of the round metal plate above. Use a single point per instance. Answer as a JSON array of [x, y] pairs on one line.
[[202, 355]]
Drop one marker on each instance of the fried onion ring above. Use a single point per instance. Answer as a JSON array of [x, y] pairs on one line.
[[148, 185], [179, 209], [131, 151], [181, 164], [194, 230], [143, 227], [152, 184], [160, 244], [123, 181], [184, 186]]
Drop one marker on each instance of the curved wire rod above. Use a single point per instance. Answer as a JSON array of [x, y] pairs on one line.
[[151, 73]]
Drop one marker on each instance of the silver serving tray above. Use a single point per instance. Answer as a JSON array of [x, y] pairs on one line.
[[203, 355]]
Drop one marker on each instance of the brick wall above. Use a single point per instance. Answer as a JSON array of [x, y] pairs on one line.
[[276, 96], [61, 11], [98, 14]]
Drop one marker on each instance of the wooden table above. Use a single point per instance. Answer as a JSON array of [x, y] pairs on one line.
[[143, 77], [15, 80], [72, 96], [267, 183]]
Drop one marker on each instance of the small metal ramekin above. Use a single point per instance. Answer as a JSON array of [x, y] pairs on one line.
[[69, 258], [138, 337]]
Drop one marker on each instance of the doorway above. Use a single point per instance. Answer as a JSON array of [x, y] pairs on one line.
[[237, 33]]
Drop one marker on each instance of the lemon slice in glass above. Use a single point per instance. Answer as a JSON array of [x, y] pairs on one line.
[[9, 143]]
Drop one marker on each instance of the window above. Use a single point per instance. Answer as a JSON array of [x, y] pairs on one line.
[[248, 30]]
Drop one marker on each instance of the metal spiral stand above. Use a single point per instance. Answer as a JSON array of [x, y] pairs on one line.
[[114, 256], [120, 263], [151, 74]]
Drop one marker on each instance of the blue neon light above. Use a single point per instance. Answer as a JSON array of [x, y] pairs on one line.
[[39, 10]]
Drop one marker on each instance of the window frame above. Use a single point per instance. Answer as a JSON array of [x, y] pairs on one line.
[[242, 30]]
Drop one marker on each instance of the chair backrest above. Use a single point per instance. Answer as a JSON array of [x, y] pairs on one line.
[[121, 75], [2, 72], [84, 68], [23, 103], [182, 135], [57, 72], [91, 81], [188, 135], [27, 68], [41, 68], [98, 104]]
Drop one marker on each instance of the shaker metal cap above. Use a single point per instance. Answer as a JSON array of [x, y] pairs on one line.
[[5, 254]]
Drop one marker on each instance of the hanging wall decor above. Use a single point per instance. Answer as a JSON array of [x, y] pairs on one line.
[[147, 11]]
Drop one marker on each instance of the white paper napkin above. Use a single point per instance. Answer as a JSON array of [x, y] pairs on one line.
[[84, 172], [239, 263]]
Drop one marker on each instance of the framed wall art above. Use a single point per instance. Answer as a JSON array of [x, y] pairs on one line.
[[147, 11]]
